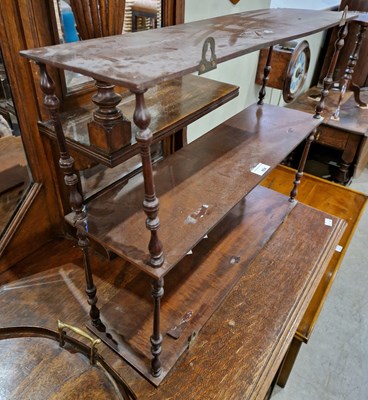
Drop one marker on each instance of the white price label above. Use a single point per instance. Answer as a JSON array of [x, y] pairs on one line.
[[260, 169], [339, 248], [328, 222]]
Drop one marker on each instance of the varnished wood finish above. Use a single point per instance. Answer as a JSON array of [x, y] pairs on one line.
[[238, 351], [197, 186], [110, 130], [51, 372], [172, 106], [244, 232], [328, 197], [339, 201], [122, 59]]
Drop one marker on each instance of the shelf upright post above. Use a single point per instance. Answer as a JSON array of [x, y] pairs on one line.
[[266, 73], [349, 71], [66, 163], [301, 166], [328, 80], [142, 119]]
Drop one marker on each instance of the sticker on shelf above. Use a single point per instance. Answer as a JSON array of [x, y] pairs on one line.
[[189, 252], [339, 248], [260, 169], [328, 222]]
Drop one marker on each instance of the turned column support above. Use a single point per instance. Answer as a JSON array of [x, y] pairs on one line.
[[301, 166], [349, 71], [66, 164], [355, 88], [109, 130], [142, 119], [266, 73], [328, 80], [156, 338]]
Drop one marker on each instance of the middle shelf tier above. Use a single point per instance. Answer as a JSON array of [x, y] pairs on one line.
[[197, 186]]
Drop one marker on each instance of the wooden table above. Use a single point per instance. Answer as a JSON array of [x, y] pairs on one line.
[[239, 350]]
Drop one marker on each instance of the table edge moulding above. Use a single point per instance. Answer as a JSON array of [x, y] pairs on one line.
[[207, 182]]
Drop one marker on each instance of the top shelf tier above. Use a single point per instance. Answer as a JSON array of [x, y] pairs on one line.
[[141, 60]]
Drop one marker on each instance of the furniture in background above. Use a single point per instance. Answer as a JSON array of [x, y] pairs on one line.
[[347, 135], [145, 10]]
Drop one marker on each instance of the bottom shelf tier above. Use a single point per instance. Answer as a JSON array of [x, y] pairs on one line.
[[203, 279]]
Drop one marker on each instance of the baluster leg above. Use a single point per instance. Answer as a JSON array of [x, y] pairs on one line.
[[349, 71], [356, 88], [66, 164], [328, 80], [109, 130], [156, 338], [142, 119], [266, 73], [301, 166]]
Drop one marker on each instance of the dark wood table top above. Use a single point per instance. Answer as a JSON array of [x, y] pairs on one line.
[[141, 60], [237, 352]]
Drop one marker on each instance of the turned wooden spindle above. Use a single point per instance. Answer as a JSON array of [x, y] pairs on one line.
[[156, 338], [301, 166], [349, 71], [109, 130], [328, 80], [266, 73], [355, 88], [142, 119], [66, 164]]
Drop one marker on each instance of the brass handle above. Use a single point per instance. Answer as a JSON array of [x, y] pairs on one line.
[[62, 326]]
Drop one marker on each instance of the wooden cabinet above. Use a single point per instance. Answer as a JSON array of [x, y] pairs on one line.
[[215, 228]]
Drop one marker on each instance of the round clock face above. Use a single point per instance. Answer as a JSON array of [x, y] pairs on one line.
[[297, 71]]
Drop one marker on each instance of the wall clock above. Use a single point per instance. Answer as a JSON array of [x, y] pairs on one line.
[[289, 68]]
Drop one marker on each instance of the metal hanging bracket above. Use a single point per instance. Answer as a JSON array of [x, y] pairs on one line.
[[208, 64], [343, 17]]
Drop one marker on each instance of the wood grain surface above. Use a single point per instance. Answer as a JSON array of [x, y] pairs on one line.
[[175, 51], [172, 106], [197, 185], [239, 349]]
